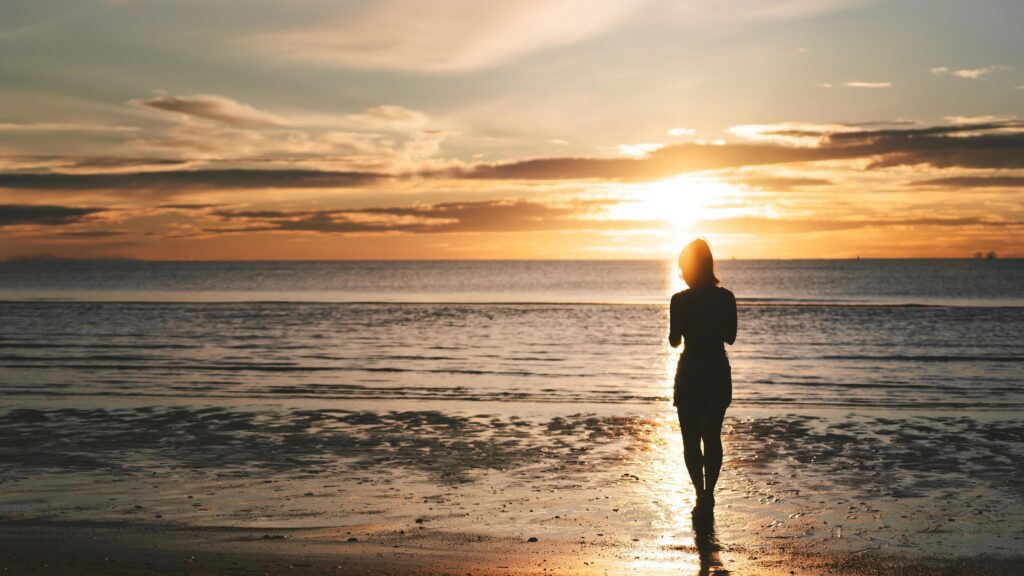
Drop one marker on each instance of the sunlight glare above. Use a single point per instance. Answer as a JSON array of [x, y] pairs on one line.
[[680, 201]]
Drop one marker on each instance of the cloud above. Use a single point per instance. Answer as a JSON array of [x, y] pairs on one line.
[[986, 145], [62, 127], [791, 133], [780, 183], [760, 225], [974, 182], [973, 119], [212, 107], [43, 215], [638, 150], [859, 84], [390, 117], [737, 15], [997, 144], [183, 180], [195, 142], [880, 123], [481, 216], [807, 133], [968, 73], [189, 206], [682, 131], [661, 163], [381, 138], [218, 142], [991, 145], [447, 35], [89, 164], [93, 233]]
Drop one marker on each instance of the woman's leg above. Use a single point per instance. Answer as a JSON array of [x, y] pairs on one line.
[[711, 433], [691, 425]]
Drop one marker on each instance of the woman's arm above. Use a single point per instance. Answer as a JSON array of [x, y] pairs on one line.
[[729, 322], [675, 321]]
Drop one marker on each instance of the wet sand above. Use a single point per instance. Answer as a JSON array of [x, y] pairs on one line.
[[129, 550], [293, 490]]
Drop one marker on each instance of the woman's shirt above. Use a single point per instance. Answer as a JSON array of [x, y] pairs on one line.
[[705, 318]]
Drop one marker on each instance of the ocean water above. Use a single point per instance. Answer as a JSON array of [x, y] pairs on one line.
[[889, 333], [435, 404], [907, 282]]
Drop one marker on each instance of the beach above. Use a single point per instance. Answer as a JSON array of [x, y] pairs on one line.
[[396, 492], [313, 437]]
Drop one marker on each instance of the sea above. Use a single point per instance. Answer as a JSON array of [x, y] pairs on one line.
[[429, 404], [894, 333]]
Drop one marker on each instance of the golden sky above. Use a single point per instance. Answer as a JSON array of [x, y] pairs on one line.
[[268, 129]]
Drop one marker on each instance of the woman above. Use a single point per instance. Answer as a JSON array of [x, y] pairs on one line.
[[704, 316]]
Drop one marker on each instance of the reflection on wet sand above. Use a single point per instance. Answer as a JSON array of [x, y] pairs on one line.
[[706, 542], [670, 490], [672, 500]]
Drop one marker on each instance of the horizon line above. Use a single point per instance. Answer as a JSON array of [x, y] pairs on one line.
[[32, 259]]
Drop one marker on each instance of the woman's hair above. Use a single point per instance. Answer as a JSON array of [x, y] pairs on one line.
[[697, 264]]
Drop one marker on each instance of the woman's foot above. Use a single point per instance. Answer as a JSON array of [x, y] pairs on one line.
[[705, 503]]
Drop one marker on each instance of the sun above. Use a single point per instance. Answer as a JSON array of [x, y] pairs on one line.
[[680, 202], [661, 216]]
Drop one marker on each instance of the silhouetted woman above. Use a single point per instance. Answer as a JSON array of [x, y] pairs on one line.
[[704, 317]]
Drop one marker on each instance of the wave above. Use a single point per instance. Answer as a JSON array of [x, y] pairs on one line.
[[36, 362], [504, 397], [235, 298], [96, 345], [894, 358], [915, 358]]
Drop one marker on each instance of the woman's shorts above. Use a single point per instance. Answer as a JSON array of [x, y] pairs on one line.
[[703, 386]]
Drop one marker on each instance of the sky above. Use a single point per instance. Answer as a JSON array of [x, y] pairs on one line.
[[274, 129]]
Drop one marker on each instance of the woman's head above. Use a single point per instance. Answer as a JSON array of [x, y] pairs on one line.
[[698, 265]]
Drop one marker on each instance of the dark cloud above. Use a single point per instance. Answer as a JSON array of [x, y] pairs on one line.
[[482, 216], [88, 165], [975, 182], [212, 107], [759, 225], [874, 123], [114, 162], [188, 180], [189, 206], [93, 233], [523, 215], [659, 164], [41, 214], [981, 145], [780, 184]]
